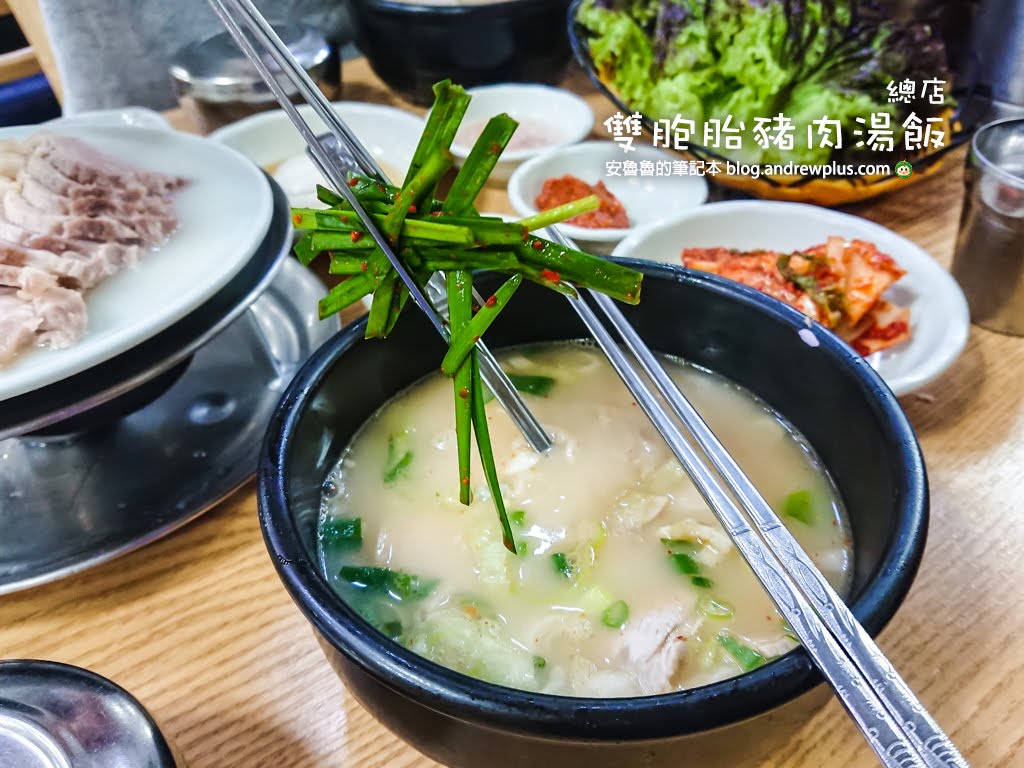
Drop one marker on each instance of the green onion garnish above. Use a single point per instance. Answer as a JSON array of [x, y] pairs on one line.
[[747, 657], [799, 506], [615, 615], [344, 533]]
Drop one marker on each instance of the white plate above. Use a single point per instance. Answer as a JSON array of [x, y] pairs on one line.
[[223, 216], [939, 318], [271, 141], [647, 199], [561, 116]]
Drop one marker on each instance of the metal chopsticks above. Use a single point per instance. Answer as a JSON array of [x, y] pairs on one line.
[[235, 13], [896, 725]]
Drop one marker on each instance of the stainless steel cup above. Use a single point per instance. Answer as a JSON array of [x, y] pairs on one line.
[[989, 260], [58, 716]]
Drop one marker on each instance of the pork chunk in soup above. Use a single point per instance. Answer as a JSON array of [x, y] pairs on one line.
[[624, 583]]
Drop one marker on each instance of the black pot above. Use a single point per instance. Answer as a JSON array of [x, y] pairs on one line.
[[828, 392], [411, 47]]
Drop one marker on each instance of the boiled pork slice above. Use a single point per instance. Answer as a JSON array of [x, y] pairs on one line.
[[116, 256], [43, 171], [78, 161], [70, 217], [73, 270], [655, 646], [18, 210], [58, 315], [95, 205], [18, 324]]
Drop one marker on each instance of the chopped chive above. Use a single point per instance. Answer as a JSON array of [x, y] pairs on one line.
[[464, 341], [747, 657], [486, 452], [685, 564], [702, 582], [714, 609], [539, 662], [518, 517], [397, 462], [681, 547], [342, 533], [561, 213], [615, 615], [564, 565], [401, 586], [521, 548], [798, 505], [787, 630], [540, 386]]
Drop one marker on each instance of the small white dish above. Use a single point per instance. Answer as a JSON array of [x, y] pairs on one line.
[[548, 118], [647, 199], [270, 140], [223, 216], [940, 321]]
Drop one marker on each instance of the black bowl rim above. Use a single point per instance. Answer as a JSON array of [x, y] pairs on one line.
[[581, 51], [394, 6], [588, 719]]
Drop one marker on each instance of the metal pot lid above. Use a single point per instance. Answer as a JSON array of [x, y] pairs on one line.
[[58, 716], [215, 70]]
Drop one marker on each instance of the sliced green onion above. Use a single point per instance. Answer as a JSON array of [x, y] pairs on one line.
[[615, 615], [402, 586], [702, 582], [540, 386], [714, 609], [397, 462], [342, 533], [685, 564], [747, 657], [799, 506], [564, 565]]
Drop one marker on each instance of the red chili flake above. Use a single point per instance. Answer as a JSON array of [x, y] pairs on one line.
[[495, 148], [381, 188], [463, 393], [436, 214], [551, 276], [681, 638], [356, 235], [538, 245], [412, 209], [465, 481], [363, 265], [297, 218], [629, 296], [476, 339], [352, 182], [492, 301]]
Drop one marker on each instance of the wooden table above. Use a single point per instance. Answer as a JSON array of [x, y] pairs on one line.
[[201, 630]]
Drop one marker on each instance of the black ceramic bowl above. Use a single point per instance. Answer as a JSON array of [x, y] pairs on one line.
[[828, 392], [411, 46]]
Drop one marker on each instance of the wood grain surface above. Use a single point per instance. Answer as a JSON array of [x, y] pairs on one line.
[[200, 629]]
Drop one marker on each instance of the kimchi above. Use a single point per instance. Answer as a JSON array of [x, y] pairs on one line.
[[838, 283]]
